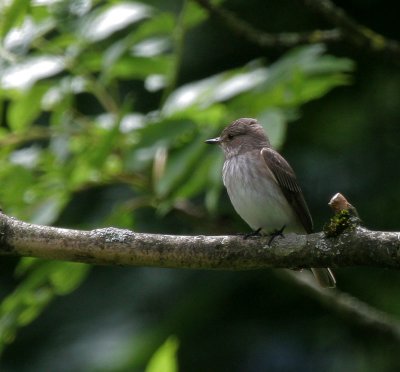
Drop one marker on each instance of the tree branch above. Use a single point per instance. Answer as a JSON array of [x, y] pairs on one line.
[[347, 306], [347, 30], [353, 32], [265, 39], [112, 246]]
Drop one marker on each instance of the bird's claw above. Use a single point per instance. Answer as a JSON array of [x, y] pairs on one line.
[[253, 234], [276, 233]]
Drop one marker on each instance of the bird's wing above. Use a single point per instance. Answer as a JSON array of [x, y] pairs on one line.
[[286, 179]]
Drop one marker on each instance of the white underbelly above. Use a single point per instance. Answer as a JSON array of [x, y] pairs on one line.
[[258, 199]]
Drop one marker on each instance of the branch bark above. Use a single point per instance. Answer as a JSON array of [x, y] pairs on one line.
[[112, 246]]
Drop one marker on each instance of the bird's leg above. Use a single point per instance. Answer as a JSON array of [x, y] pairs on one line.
[[253, 234], [276, 233]]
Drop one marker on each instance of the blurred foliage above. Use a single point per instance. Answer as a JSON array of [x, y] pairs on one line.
[[99, 128], [164, 359], [44, 280]]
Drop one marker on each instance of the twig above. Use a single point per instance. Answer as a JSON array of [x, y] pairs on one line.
[[347, 306], [347, 30], [35, 134], [353, 32], [265, 39]]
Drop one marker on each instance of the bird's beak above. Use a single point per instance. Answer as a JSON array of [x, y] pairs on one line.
[[213, 141]]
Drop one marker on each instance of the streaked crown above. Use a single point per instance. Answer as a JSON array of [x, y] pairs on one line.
[[243, 135]]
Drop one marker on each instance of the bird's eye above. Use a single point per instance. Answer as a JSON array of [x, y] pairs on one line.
[[230, 136]]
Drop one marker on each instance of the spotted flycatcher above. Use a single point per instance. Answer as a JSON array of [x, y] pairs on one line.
[[262, 185]]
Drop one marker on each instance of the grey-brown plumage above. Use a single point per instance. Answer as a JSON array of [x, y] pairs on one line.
[[262, 186]]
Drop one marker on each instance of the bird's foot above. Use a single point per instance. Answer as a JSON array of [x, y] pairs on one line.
[[253, 234], [276, 233]]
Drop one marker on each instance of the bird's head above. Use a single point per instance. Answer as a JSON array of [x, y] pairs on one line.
[[240, 136]]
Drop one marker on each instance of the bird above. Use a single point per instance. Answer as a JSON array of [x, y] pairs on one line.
[[263, 187]]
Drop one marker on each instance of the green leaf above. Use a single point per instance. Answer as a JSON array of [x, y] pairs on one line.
[[24, 110], [274, 122], [68, 277], [122, 215], [43, 281], [217, 88], [168, 132], [47, 210], [165, 133], [198, 179], [181, 163], [193, 14], [11, 14], [23, 75], [13, 192], [301, 75], [159, 25], [101, 23], [25, 264], [164, 359], [129, 67], [106, 140], [298, 77]]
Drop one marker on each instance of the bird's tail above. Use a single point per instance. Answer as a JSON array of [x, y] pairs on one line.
[[324, 277]]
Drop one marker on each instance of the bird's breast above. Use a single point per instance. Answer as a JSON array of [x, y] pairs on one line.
[[256, 196]]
